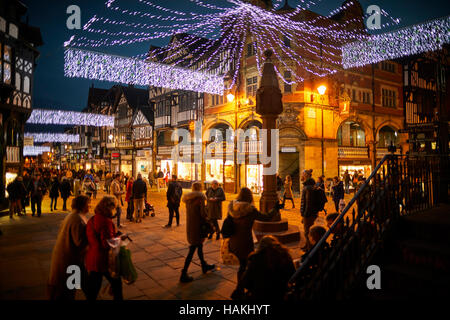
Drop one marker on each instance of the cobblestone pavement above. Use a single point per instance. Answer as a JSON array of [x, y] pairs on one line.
[[158, 254]]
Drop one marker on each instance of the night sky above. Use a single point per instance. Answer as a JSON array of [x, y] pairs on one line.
[[53, 90]]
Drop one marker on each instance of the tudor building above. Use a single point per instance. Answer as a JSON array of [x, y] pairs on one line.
[[18, 55]]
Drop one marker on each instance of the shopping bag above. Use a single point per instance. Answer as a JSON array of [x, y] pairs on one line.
[[228, 258], [127, 269]]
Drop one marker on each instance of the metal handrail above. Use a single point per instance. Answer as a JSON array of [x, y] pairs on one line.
[[337, 220]]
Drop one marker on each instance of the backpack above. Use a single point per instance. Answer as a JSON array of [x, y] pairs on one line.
[[319, 199]]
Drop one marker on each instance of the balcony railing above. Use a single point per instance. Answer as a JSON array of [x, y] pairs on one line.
[[353, 152], [252, 147], [381, 152], [217, 148], [12, 154], [162, 121]]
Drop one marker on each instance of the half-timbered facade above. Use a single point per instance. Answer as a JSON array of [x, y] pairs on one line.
[[18, 54]]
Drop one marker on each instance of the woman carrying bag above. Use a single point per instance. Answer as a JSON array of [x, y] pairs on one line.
[[215, 196], [196, 219]]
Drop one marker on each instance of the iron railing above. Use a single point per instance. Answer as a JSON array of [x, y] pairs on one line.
[[399, 185]]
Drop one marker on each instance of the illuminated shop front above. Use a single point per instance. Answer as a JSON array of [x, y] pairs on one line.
[[126, 167], [10, 176], [188, 171], [167, 167], [254, 178], [363, 169]]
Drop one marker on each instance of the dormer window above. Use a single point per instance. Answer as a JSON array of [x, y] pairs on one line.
[[13, 31], [2, 25]]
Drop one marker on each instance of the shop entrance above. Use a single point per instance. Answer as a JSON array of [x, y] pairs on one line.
[[289, 165]]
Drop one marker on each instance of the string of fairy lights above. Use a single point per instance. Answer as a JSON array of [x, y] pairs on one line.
[[214, 38]]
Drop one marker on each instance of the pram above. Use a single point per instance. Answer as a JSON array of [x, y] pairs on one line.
[[149, 209]]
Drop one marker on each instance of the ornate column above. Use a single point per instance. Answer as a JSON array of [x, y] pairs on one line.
[[269, 106]]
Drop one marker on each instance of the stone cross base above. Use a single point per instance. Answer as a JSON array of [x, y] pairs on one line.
[[281, 230]]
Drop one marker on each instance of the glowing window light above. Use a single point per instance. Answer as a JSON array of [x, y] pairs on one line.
[[104, 67], [429, 36], [54, 137], [61, 117]]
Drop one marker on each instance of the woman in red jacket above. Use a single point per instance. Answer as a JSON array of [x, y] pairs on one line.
[[100, 229]]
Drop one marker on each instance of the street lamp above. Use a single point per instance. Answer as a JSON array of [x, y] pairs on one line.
[[230, 97], [110, 137], [322, 89]]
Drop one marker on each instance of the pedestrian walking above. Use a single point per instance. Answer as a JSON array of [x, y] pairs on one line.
[[215, 196], [65, 191], [338, 192], [347, 182], [116, 191], [76, 186], [96, 185], [268, 271], [307, 208], [69, 250], [244, 213], [279, 186], [88, 186], [288, 191], [15, 192], [174, 193], [108, 180], [129, 199], [195, 217], [139, 197], [54, 193], [101, 232], [37, 190]]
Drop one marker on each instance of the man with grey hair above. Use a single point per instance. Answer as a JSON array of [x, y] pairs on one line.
[[139, 197]]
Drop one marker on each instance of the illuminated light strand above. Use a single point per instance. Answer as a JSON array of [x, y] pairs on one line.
[[429, 36], [92, 65], [151, 4], [54, 137], [33, 151], [61, 117]]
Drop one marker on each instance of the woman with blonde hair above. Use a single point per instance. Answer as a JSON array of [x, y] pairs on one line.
[[195, 216], [100, 230], [288, 191]]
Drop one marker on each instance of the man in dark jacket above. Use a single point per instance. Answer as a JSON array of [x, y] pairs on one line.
[[37, 189], [307, 210], [13, 196], [338, 192], [174, 192], [139, 197], [65, 190]]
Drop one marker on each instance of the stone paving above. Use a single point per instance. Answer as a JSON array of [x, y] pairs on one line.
[[158, 254]]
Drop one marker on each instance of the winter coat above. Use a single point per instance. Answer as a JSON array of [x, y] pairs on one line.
[[99, 229], [13, 191], [88, 186], [267, 274], [129, 193], [195, 215], [54, 189], [37, 189], [214, 208], [306, 204], [288, 189], [139, 189], [65, 189], [174, 192], [244, 214], [116, 190], [69, 249], [338, 192]]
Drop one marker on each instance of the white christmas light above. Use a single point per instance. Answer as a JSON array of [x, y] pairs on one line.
[[429, 36], [61, 117], [54, 137], [34, 151], [92, 65]]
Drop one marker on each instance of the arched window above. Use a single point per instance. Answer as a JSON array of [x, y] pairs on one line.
[[351, 134], [219, 133], [387, 136], [18, 81]]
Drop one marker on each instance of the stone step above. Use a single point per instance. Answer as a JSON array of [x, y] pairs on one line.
[[288, 236], [271, 226]]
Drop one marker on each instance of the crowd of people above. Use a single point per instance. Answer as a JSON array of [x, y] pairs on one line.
[[262, 273]]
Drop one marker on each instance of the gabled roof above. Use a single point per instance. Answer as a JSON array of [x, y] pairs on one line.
[[146, 112]]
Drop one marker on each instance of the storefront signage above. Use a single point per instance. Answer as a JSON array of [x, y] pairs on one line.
[[288, 149], [115, 155], [311, 113], [28, 141]]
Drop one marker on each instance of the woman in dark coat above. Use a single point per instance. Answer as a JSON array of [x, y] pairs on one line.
[[54, 193], [65, 190], [338, 192], [268, 271], [69, 249], [244, 213], [195, 216], [215, 196], [100, 230]]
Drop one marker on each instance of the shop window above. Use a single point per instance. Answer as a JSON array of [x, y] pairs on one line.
[[388, 66], [387, 136], [351, 134], [251, 49]]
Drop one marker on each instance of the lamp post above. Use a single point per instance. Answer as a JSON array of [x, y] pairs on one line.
[[322, 89]]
